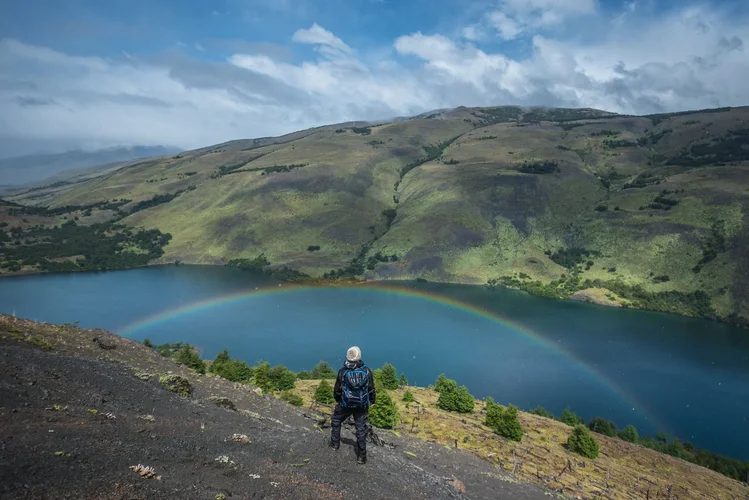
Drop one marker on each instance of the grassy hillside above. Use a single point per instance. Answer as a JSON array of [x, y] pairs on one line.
[[634, 211]]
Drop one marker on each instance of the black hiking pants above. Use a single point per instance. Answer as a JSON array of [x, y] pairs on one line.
[[340, 414]]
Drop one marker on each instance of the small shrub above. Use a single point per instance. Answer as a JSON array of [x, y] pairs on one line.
[[503, 421], [323, 370], [188, 357], [582, 443], [542, 412], [570, 418], [281, 378], [384, 413], [456, 399], [442, 383], [389, 377], [223, 402], [324, 393], [403, 381], [629, 434], [147, 342], [233, 370], [408, 397], [291, 398], [177, 384], [602, 426]]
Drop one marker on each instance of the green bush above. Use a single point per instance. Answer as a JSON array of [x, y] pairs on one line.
[[442, 383], [542, 412], [291, 398], [176, 383], [503, 421], [570, 418], [188, 357], [582, 443], [147, 342], [403, 381], [602, 426], [304, 375], [384, 413], [629, 433], [408, 397], [324, 393], [261, 376], [323, 370], [389, 377], [281, 378], [454, 398], [233, 370]]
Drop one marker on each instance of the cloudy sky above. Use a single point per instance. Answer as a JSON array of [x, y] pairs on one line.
[[190, 73]]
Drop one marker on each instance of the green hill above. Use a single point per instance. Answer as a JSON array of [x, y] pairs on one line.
[[637, 211]]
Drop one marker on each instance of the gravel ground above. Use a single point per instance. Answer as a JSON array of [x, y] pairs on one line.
[[75, 418]]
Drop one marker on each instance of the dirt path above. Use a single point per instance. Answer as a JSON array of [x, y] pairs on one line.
[[75, 417]]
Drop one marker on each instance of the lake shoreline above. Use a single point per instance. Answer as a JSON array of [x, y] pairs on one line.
[[589, 296]]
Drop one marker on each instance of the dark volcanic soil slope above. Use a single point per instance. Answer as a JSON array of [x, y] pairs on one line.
[[74, 417]]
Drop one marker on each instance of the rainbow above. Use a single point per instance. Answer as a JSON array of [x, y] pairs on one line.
[[204, 305]]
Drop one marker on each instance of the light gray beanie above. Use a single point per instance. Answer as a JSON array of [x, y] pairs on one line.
[[353, 354]]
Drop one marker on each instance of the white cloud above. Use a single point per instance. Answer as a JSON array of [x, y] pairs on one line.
[[693, 57], [515, 17], [508, 28]]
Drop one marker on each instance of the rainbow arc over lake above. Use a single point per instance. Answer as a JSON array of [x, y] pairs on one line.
[[165, 316]]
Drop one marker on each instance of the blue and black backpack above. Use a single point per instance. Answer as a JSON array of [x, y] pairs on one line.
[[355, 388]]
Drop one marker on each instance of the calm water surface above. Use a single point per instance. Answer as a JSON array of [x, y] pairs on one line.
[[659, 372]]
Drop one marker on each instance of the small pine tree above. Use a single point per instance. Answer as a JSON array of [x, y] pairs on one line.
[[322, 370], [582, 442], [291, 398], [389, 377], [442, 383], [222, 357], [408, 397], [629, 433], [602, 426], [542, 412], [324, 393], [570, 418], [261, 376], [454, 398], [286, 382], [304, 375], [186, 356], [384, 413], [504, 421], [403, 381], [147, 342], [281, 378]]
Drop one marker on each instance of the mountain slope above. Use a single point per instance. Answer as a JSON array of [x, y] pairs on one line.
[[74, 420], [76, 416], [637, 211]]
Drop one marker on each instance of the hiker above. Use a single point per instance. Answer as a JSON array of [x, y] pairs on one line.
[[354, 392]]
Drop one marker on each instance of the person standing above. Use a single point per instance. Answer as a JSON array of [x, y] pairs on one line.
[[354, 393]]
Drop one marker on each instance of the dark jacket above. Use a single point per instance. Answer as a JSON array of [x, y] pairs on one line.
[[353, 365]]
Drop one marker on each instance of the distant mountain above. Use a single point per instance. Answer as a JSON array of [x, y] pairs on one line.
[[33, 168], [637, 211]]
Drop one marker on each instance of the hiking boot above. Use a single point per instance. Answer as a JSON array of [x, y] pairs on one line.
[[335, 446], [361, 459]]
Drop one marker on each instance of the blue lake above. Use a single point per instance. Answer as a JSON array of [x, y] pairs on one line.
[[659, 372]]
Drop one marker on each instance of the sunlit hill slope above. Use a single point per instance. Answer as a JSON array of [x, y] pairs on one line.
[[641, 211]]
